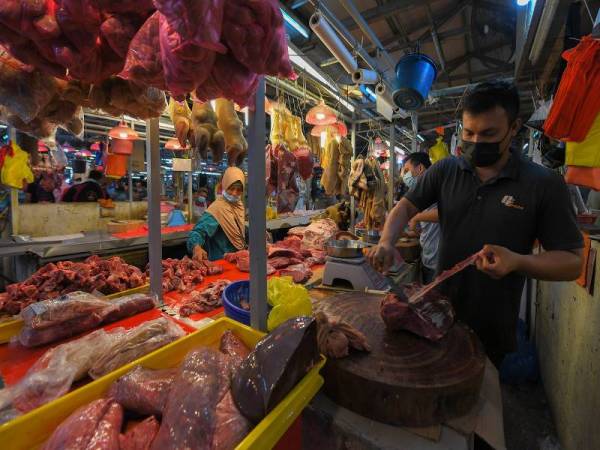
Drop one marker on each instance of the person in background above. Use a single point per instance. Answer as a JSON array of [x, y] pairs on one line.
[[200, 202], [88, 191], [222, 228], [140, 192], [41, 190], [117, 190], [423, 224]]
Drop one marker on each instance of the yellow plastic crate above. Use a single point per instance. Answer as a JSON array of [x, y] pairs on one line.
[[10, 328], [31, 430]]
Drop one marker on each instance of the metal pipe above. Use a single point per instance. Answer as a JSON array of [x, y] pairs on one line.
[[154, 188], [190, 197], [352, 199], [365, 76], [366, 29], [329, 37], [415, 130], [257, 206], [392, 168]]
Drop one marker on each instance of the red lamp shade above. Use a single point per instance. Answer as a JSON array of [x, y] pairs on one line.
[[317, 130], [321, 115], [123, 132], [96, 147], [122, 147], [42, 147], [342, 130], [338, 128], [174, 145]]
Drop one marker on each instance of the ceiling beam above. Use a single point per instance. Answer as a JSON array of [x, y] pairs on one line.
[[381, 11]]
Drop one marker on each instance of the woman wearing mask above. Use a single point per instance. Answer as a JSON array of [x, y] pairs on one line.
[[200, 202], [222, 229]]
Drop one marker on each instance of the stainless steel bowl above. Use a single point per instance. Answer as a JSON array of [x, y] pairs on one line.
[[369, 236], [345, 248]]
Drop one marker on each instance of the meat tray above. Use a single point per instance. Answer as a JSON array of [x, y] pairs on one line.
[[31, 430], [12, 327]]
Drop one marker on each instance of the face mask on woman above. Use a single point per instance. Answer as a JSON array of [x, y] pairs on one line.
[[231, 198]]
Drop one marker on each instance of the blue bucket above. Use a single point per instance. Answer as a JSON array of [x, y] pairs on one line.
[[232, 295], [415, 74]]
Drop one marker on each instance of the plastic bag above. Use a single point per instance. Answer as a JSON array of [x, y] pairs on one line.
[[53, 374], [190, 415], [53, 312], [128, 306], [276, 365], [585, 153], [438, 151], [127, 346], [288, 300], [96, 425], [32, 337], [583, 176], [255, 33], [16, 171], [144, 391]]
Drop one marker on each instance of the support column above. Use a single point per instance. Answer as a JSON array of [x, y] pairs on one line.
[[257, 206], [190, 196], [352, 199], [392, 169], [154, 188], [415, 129], [14, 193]]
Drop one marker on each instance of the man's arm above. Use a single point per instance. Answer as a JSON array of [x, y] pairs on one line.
[[554, 265], [430, 215], [382, 256]]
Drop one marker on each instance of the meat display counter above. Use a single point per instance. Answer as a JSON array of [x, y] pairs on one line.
[[29, 256]]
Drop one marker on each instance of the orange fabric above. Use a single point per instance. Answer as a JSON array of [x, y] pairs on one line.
[[587, 245], [577, 101], [583, 176]]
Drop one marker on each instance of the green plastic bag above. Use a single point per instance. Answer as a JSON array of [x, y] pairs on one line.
[[288, 300]]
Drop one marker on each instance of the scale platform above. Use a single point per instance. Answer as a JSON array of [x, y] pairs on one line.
[[356, 271]]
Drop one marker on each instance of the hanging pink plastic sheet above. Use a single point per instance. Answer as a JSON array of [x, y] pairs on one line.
[[256, 36]]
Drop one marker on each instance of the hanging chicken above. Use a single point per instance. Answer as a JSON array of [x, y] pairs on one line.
[[236, 145], [181, 116], [205, 134]]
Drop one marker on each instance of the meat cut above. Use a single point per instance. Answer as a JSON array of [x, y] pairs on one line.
[[336, 338], [206, 300], [107, 276], [143, 391], [233, 346], [431, 317], [128, 306], [184, 274], [300, 273], [283, 172], [274, 367], [230, 425], [315, 235], [140, 436]]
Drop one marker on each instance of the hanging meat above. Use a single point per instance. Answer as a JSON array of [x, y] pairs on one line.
[[345, 156], [330, 164], [205, 134], [286, 172], [366, 183], [301, 150], [181, 117], [236, 145]]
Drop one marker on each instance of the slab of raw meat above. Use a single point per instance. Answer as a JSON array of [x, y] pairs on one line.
[[190, 417], [77, 431], [276, 252], [106, 436], [233, 346], [431, 317], [128, 306], [140, 436], [279, 262], [231, 426], [31, 337], [336, 338], [300, 273], [274, 367], [144, 391], [206, 300]]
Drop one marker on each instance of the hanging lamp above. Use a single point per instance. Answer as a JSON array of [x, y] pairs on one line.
[[42, 147], [342, 129], [321, 115], [122, 131]]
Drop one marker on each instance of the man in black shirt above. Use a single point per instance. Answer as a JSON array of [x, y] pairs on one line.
[[492, 201]]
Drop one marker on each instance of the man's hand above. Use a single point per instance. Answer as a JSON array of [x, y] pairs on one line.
[[200, 254], [497, 262], [413, 226], [382, 257]]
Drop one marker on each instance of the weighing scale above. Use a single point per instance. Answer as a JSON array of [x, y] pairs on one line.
[[356, 271]]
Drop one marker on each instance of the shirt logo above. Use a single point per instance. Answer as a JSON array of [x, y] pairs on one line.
[[509, 201]]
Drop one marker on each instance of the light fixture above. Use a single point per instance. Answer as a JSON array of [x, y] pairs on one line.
[[295, 24], [122, 131], [321, 115], [323, 138], [522, 2], [42, 147]]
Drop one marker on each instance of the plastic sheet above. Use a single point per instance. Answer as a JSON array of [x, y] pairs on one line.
[[32, 337], [190, 415], [288, 300], [144, 391], [95, 426], [128, 306], [129, 345], [275, 366], [53, 312]]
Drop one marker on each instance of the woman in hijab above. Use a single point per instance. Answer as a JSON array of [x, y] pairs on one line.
[[222, 228]]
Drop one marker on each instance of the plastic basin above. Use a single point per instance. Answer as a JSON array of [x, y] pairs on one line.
[[414, 76]]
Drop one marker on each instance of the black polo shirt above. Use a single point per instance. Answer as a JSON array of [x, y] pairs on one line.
[[524, 203]]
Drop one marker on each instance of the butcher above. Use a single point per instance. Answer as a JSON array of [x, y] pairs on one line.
[[222, 228], [493, 201]]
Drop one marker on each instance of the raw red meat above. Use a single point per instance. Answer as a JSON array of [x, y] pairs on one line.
[[77, 431], [431, 317], [230, 425], [276, 251], [300, 273], [108, 430], [184, 274], [205, 301], [128, 306], [31, 337], [336, 338], [287, 169], [190, 416], [279, 262], [255, 34], [233, 257], [143, 391], [233, 346], [140, 436], [305, 160]]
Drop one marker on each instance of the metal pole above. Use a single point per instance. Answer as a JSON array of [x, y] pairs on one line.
[[352, 199], [14, 193], [415, 131], [154, 187], [190, 196], [257, 206], [130, 184], [392, 169]]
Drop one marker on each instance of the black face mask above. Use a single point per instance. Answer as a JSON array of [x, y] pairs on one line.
[[482, 154]]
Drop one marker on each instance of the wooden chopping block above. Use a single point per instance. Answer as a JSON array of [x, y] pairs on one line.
[[405, 380]]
